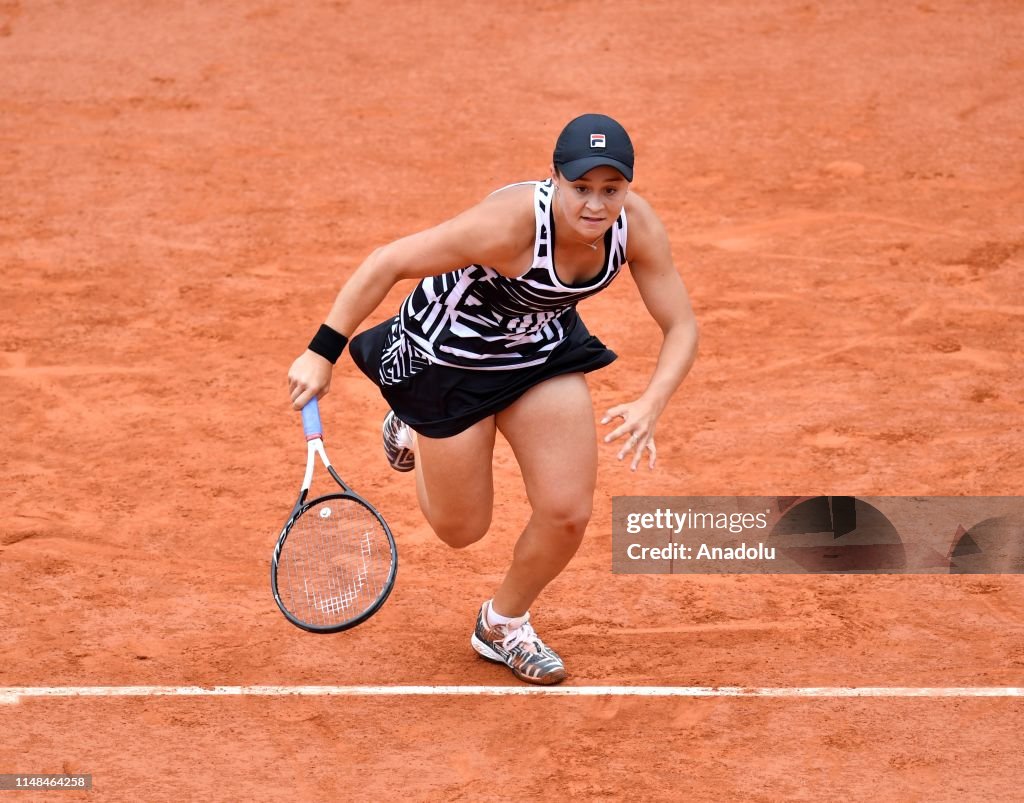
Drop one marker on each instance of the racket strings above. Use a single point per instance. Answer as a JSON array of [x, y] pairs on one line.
[[335, 562]]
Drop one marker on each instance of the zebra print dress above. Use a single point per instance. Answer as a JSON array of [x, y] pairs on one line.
[[469, 342]]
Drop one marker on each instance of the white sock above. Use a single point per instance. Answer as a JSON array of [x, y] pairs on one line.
[[494, 618], [406, 437]]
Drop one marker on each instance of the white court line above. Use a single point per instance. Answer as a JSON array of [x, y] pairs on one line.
[[14, 694]]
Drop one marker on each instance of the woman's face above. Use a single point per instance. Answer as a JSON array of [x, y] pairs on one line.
[[591, 203]]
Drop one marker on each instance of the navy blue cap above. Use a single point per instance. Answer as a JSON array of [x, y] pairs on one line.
[[592, 140]]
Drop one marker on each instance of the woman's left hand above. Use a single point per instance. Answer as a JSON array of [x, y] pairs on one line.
[[638, 420]]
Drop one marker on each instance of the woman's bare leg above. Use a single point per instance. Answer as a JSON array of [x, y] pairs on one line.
[[455, 483], [551, 430]]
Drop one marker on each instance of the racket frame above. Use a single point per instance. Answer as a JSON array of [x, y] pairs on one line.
[[315, 449]]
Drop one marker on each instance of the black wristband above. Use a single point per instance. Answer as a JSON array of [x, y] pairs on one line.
[[328, 343]]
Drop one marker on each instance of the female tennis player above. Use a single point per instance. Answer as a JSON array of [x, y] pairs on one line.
[[490, 341]]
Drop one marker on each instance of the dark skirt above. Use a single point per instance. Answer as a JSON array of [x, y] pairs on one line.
[[440, 401]]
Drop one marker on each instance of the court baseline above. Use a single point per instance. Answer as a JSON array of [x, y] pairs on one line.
[[14, 694]]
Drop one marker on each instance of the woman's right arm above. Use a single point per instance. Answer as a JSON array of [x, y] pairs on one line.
[[494, 232]]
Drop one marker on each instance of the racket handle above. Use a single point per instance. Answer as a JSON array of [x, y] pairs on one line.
[[311, 420]]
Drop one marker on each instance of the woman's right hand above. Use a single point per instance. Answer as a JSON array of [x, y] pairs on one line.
[[309, 377]]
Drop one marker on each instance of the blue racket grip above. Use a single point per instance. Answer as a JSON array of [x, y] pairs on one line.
[[311, 420]]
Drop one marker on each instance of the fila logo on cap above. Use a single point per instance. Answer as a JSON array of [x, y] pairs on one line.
[[597, 140]]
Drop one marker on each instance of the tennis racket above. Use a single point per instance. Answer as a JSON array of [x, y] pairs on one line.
[[335, 561]]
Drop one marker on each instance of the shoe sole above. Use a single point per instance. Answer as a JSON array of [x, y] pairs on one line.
[[405, 461], [486, 652]]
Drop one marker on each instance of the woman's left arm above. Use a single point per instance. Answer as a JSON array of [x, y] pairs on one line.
[[665, 296]]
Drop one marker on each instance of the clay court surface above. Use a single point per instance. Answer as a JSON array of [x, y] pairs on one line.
[[183, 188]]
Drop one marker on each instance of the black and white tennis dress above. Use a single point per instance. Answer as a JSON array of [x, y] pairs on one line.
[[468, 343]]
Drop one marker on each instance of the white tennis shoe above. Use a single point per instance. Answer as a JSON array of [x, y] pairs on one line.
[[518, 646], [398, 443]]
